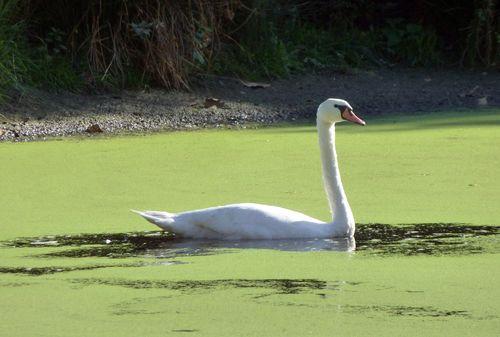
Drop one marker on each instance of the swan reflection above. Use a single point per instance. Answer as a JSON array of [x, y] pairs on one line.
[[197, 247]]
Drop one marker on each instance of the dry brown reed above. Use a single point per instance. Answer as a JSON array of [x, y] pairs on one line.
[[165, 39]]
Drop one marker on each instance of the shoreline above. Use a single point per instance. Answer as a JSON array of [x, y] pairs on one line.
[[225, 102]]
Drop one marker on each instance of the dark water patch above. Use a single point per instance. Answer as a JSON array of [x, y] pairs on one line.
[[385, 232], [399, 310], [141, 306], [109, 250], [38, 271], [138, 239], [14, 284], [126, 250], [138, 312], [158, 244], [424, 239], [383, 239], [280, 286]]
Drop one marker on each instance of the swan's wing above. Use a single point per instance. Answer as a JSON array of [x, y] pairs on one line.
[[246, 221]]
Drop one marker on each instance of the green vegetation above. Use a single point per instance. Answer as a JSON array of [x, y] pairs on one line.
[[438, 168], [13, 60], [279, 39], [97, 44], [94, 45], [22, 65]]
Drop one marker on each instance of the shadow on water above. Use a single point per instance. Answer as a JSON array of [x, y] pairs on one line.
[[279, 286], [271, 287], [35, 271], [398, 310], [113, 245], [427, 238], [156, 248], [379, 239], [393, 310]]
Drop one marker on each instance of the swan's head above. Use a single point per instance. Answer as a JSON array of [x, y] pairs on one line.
[[335, 110]]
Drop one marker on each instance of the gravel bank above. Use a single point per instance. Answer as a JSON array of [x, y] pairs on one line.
[[371, 93]]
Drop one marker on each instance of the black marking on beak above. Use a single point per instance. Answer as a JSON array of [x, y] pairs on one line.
[[343, 109]]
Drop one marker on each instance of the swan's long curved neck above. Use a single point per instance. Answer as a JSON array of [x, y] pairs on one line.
[[343, 219]]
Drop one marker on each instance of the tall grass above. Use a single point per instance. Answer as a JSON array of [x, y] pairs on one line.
[[14, 64], [79, 44], [160, 41], [114, 43], [278, 38], [23, 66], [483, 35]]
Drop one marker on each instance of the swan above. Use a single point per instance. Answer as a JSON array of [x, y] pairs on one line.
[[250, 221]]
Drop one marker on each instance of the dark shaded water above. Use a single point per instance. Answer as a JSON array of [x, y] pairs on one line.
[[397, 310], [431, 239], [280, 286], [380, 239]]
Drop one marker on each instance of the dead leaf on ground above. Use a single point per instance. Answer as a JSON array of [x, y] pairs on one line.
[[210, 102], [255, 85], [94, 128]]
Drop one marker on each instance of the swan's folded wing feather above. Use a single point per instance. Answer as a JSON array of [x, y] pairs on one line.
[[246, 221]]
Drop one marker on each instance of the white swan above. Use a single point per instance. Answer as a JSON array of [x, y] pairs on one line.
[[255, 221]]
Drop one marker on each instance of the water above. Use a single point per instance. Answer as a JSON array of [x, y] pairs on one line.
[[434, 276], [387, 274], [378, 239]]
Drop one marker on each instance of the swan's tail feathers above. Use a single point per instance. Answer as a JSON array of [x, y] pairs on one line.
[[163, 220]]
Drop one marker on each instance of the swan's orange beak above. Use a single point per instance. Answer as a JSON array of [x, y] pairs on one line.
[[349, 115]]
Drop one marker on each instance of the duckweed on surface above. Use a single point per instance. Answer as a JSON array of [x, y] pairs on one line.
[[75, 262]]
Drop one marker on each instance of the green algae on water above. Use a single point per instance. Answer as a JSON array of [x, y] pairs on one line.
[[75, 262]]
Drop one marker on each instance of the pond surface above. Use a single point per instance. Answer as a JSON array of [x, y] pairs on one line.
[[424, 262], [428, 276]]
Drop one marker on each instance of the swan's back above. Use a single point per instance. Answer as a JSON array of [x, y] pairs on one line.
[[239, 221]]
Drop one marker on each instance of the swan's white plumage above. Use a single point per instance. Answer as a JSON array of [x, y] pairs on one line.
[[256, 221], [240, 221]]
